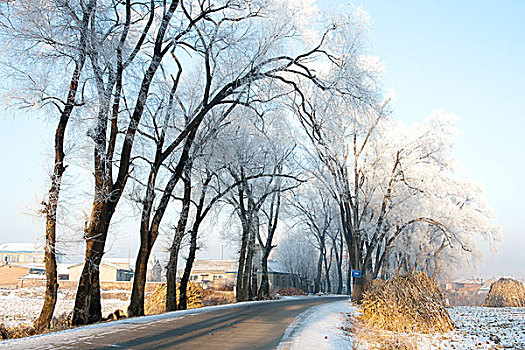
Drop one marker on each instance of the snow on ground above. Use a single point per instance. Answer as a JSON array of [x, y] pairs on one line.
[[481, 328], [22, 306], [320, 327], [476, 328]]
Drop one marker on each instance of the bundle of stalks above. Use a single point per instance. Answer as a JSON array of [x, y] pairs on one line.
[[406, 303], [506, 292], [374, 285], [16, 332], [156, 303]]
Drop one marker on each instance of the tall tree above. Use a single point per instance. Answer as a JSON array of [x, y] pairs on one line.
[[26, 26]]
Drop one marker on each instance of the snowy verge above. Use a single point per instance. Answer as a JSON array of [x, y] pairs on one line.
[[320, 327], [90, 330], [475, 328]]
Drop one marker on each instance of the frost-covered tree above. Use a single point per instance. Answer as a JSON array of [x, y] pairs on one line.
[[41, 36], [257, 157]]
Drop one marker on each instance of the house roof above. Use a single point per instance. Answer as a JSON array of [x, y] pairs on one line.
[[33, 276], [21, 247], [276, 267], [63, 269], [215, 266], [24, 248], [467, 281]]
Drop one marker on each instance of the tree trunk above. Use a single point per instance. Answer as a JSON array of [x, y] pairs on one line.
[[87, 302], [327, 273], [436, 259], [171, 274], [339, 263], [358, 283], [264, 288], [183, 299], [248, 269], [240, 293], [136, 305], [253, 284], [349, 278], [50, 299], [48, 308], [317, 280]]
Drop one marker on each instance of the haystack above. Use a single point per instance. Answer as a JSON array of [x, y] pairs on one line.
[[506, 292], [406, 303], [156, 303], [374, 285]]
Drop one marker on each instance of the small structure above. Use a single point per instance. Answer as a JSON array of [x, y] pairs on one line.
[[155, 271], [465, 285], [213, 273], [279, 277], [109, 271], [10, 273]]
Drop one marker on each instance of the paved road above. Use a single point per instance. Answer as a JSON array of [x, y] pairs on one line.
[[259, 325]]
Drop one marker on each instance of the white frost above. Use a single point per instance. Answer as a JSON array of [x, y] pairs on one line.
[[320, 327]]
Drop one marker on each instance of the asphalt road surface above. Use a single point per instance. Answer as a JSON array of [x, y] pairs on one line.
[[259, 325]]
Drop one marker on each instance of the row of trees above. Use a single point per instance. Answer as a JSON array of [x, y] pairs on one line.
[[395, 195], [268, 110]]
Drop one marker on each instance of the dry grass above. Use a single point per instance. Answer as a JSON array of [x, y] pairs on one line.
[[59, 323], [407, 303], [219, 298], [365, 337], [156, 303], [506, 292]]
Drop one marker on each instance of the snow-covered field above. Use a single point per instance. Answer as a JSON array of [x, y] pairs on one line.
[[22, 306], [481, 328], [326, 327], [476, 328]]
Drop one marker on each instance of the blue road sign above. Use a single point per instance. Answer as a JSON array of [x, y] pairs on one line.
[[356, 273]]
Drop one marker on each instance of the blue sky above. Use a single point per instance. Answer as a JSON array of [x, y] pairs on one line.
[[465, 57]]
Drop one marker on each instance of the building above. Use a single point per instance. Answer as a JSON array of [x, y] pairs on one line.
[[10, 273], [466, 292], [222, 274], [24, 253], [111, 270], [464, 285], [218, 274], [279, 277], [155, 271]]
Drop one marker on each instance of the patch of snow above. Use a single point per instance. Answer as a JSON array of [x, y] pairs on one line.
[[320, 327], [481, 328], [22, 306]]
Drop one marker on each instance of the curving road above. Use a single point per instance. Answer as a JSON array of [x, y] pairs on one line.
[[256, 325]]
